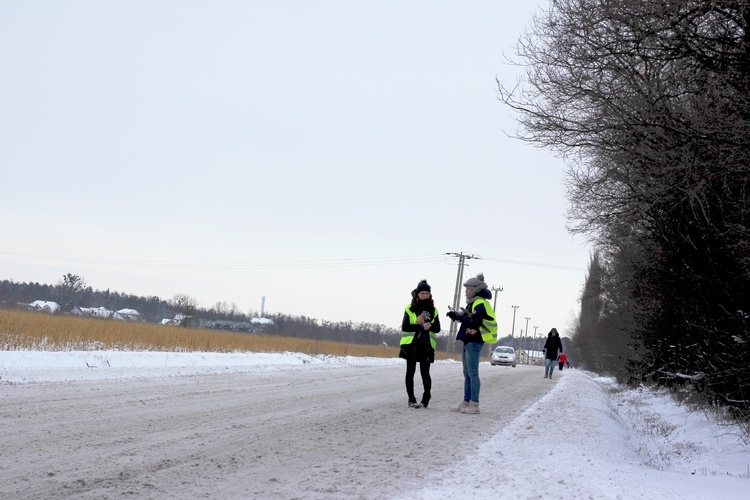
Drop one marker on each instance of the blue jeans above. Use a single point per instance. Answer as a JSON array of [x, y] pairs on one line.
[[549, 366], [470, 359]]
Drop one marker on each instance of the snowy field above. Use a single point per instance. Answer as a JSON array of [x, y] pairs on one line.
[[104, 424]]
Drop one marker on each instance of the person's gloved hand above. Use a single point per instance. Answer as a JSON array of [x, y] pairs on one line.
[[452, 315]]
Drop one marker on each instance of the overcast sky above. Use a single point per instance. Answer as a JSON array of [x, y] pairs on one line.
[[325, 155]]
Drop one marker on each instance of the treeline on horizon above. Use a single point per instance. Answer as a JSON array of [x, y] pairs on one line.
[[649, 104], [72, 292]]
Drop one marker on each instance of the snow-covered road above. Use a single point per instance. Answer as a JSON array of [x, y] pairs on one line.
[[326, 431]]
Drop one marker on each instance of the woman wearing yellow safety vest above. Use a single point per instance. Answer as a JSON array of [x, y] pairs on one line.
[[419, 326], [478, 325]]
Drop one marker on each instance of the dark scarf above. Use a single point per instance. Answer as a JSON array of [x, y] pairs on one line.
[[418, 306], [476, 295]]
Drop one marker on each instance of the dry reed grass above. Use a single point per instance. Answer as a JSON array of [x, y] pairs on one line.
[[23, 330]]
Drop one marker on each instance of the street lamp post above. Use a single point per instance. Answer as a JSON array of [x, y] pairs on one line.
[[526, 339], [513, 326]]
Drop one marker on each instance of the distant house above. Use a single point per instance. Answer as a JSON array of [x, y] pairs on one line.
[[262, 325], [103, 312], [533, 357], [128, 315], [44, 306], [178, 320], [93, 312]]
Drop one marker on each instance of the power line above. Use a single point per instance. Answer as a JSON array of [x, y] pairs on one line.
[[270, 264], [283, 264], [535, 264]]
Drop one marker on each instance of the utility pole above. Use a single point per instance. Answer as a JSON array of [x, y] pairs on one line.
[[533, 343], [457, 296], [513, 327], [494, 304], [526, 339], [495, 289]]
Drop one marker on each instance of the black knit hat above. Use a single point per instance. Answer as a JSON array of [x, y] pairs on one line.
[[421, 287]]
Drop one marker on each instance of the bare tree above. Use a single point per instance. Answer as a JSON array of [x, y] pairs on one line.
[[221, 307], [185, 305], [649, 103], [71, 290]]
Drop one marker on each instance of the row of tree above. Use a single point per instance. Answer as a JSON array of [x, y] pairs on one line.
[[72, 291], [649, 103]]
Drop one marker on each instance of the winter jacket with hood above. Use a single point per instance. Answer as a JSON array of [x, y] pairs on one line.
[[552, 347], [473, 322]]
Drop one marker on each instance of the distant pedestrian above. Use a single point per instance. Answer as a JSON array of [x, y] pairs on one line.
[[561, 360], [552, 346], [418, 341], [478, 325]]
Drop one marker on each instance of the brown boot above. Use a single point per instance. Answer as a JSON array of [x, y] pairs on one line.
[[545, 375], [461, 406], [473, 408]]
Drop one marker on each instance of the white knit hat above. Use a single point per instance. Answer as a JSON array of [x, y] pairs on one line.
[[476, 283]]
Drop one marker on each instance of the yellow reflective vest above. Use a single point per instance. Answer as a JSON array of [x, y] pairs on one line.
[[488, 329], [408, 337]]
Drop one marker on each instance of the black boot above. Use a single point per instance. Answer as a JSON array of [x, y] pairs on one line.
[[413, 402], [425, 400]]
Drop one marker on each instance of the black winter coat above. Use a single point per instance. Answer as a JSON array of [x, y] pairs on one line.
[[552, 347], [420, 348]]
